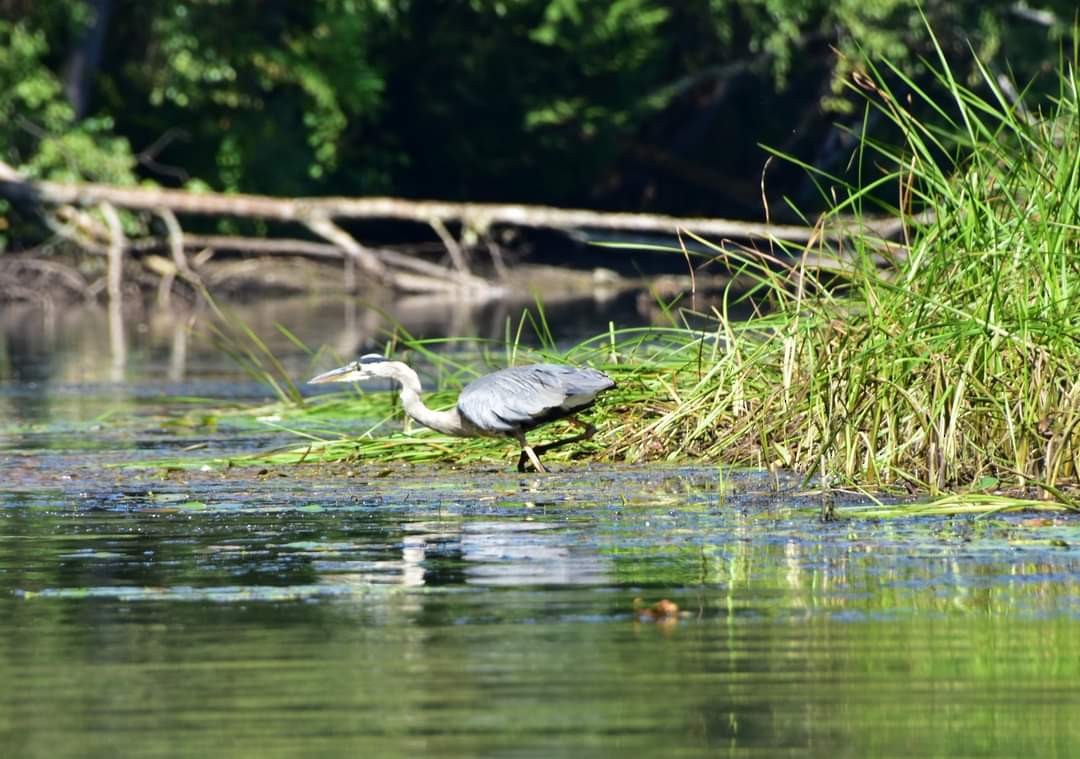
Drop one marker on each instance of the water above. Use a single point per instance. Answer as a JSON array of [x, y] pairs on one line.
[[369, 611]]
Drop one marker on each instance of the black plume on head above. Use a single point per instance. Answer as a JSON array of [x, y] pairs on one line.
[[371, 358]]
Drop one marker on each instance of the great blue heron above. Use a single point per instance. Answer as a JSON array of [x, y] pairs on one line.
[[506, 403]]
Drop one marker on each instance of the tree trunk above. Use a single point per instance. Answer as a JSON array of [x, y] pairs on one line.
[[85, 60]]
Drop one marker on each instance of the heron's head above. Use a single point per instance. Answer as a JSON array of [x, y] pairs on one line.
[[369, 366]]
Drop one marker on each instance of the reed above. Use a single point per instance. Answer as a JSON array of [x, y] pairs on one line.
[[949, 361]]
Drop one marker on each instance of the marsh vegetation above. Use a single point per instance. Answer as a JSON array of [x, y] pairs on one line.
[[947, 361]]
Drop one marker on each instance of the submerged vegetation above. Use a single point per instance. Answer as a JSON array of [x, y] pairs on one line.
[[948, 361]]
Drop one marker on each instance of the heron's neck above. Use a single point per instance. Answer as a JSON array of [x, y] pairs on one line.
[[447, 422]]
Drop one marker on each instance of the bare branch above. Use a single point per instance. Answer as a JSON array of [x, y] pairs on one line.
[[358, 254], [457, 255], [475, 215]]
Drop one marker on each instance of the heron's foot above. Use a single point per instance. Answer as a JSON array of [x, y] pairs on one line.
[[528, 454]]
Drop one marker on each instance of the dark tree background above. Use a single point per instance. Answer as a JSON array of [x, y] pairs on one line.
[[631, 104]]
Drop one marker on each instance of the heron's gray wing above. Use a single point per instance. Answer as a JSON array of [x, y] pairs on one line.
[[524, 396]]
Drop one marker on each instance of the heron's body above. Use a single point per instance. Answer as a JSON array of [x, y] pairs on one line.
[[506, 403]]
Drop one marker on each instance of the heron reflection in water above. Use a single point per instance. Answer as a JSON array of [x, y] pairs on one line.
[[506, 403]]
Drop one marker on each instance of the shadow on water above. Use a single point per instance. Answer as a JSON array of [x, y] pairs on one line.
[[351, 610]]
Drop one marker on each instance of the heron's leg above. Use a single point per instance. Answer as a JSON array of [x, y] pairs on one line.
[[527, 452], [533, 457]]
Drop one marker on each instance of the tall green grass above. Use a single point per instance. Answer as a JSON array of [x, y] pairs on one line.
[[947, 360]]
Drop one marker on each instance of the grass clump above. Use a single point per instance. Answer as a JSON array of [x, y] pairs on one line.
[[949, 360]]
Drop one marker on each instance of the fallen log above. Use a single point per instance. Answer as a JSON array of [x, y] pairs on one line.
[[321, 214], [477, 216]]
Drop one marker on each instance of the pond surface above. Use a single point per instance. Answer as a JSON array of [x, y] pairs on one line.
[[369, 611]]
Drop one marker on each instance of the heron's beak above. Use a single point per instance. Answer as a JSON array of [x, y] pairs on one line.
[[341, 374]]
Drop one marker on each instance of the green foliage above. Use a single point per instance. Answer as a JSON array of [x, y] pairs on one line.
[[532, 100], [38, 131], [254, 82]]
